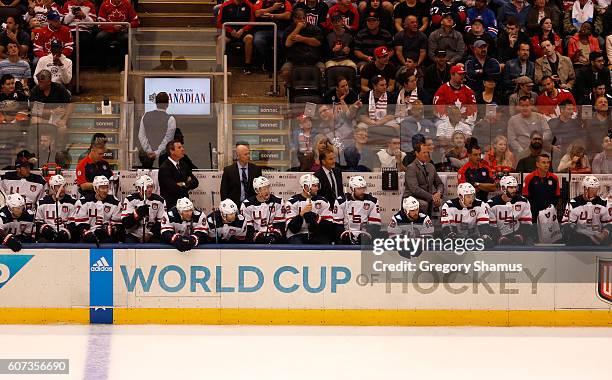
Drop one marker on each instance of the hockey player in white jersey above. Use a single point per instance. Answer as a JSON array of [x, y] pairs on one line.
[[142, 212], [587, 219], [184, 226], [309, 219], [356, 214], [22, 181], [16, 223], [97, 215], [465, 216], [510, 215], [226, 224], [55, 214], [409, 221], [264, 213]]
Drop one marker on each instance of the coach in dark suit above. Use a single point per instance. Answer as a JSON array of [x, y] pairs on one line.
[[237, 179], [330, 177], [175, 177], [423, 181]]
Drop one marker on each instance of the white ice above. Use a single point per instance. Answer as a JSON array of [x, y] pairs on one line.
[[289, 353]]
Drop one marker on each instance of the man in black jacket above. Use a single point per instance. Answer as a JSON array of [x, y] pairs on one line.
[[330, 178], [237, 179], [590, 76], [175, 178]]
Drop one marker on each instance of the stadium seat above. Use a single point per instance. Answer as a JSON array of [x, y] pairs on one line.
[[331, 73], [305, 81]]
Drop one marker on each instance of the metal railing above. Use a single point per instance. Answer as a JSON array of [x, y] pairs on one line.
[[255, 23], [78, 56]]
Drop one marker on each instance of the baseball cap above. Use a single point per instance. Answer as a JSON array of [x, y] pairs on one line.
[[457, 69], [53, 16], [440, 52], [43, 74], [477, 19], [480, 43], [56, 45], [372, 16], [381, 51], [524, 80]]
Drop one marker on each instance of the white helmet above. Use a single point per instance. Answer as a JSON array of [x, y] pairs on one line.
[[184, 204], [15, 200], [465, 189], [228, 207], [409, 204], [590, 182], [100, 181], [308, 180], [260, 182], [507, 181], [57, 180], [357, 182], [143, 181]]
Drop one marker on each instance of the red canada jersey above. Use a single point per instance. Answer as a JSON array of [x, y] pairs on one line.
[[123, 12], [463, 98], [42, 38], [549, 106]]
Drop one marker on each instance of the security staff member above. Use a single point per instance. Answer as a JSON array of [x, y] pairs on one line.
[[477, 172], [93, 165], [156, 130], [541, 187]]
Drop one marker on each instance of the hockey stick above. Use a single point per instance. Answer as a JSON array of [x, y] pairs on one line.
[[212, 195], [145, 220], [268, 225]]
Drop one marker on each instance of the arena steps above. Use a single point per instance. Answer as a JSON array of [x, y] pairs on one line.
[[201, 7], [183, 19]]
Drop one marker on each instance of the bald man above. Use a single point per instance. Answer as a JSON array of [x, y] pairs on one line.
[[237, 179]]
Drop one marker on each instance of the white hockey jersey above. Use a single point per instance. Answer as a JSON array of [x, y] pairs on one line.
[[157, 207], [589, 216], [96, 214], [172, 224], [355, 215], [263, 215], [297, 203], [507, 217], [400, 224], [464, 221], [226, 232], [55, 214], [22, 226], [32, 188]]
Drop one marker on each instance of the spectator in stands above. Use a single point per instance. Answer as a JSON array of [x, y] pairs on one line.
[[165, 61], [445, 128], [524, 86], [42, 37], [494, 122], [92, 165], [237, 11], [454, 92], [481, 12], [546, 33], [454, 8], [515, 8], [541, 10], [602, 162], [339, 44], [81, 11], [541, 187], [522, 125], [590, 76], [480, 66], [378, 8], [509, 39], [278, 12], [477, 172], [477, 32], [302, 43], [237, 179], [411, 43], [411, 7], [156, 129], [322, 143], [575, 160], [349, 14], [380, 66], [378, 106], [565, 127], [13, 100], [448, 39], [457, 155], [415, 123], [36, 16], [599, 89], [14, 65], [14, 33], [437, 73], [550, 98], [558, 66], [408, 93], [582, 11], [489, 95], [330, 177], [597, 127], [527, 164], [114, 11], [175, 179], [47, 91], [518, 67], [316, 12], [581, 45], [499, 157], [352, 158], [392, 156], [57, 64], [371, 38], [422, 180], [304, 138], [342, 95], [368, 158]]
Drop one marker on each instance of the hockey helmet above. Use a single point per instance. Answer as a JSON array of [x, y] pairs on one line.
[[100, 181], [260, 182], [590, 182], [410, 204], [357, 182], [465, 189], [227, 207], [15, 200], [184, 204], [308, 180], [57, 180], [507, 181], [143, 181]]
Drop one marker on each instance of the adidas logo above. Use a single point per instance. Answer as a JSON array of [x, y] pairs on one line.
[[101, 266]]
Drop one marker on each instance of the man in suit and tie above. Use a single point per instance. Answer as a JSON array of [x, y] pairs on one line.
[[175, 178], [330, 177], [422, 181], [237, 179]]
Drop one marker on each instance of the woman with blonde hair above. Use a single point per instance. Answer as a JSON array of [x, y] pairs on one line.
[[321, 144], [500, 155], [575, 160]]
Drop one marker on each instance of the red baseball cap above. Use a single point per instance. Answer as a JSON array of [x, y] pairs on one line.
[[381, 51], [457, 69]]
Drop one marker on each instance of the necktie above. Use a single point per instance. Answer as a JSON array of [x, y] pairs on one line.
[[333, 183], [243, 177]]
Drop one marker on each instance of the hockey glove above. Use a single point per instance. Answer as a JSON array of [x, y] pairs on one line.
[[142, 211], [48, 233], [311, 217], [12, 242], [62, 237]]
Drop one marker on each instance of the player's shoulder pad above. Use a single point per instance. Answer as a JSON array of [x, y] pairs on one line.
[[319, 198], [158, 198], [10, 176], [275, 199], [27, 216], [46, 200], [5, 214], [69, 199], [495, 201], [453, 203], [371, 198], [238, 222], [519, 198], [295, 198], [132, 197], [88, 197], [36, 178], [341, 199], [250, 201], [577, 201], [599, 201], [112, 200], [174, 216]]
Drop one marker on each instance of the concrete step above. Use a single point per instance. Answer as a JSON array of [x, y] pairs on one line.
[[172, 36], [194, 63], [176, 20], [201, 7], [178, 49]]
